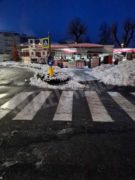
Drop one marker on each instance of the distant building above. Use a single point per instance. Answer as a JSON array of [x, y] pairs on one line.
[[24, 38], [7, 39]]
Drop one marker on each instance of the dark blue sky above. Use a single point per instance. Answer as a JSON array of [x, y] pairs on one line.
[[37, 17]]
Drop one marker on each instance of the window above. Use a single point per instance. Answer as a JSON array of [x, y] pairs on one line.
[[38, 54], [32, 53], [31, 41]]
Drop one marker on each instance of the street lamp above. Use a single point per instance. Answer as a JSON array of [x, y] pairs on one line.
[[122, 45]]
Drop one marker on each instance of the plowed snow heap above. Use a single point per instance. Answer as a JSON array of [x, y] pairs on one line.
[[122, 74]]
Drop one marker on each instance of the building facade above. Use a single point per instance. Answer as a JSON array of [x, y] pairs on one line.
[[7, 39], [64, 53]]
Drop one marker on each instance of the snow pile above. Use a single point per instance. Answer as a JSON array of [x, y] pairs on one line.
[[71, 84], [42, 69], [122, 74], [60, 74]]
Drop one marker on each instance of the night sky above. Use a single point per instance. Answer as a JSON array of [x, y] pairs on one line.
[[38, 17]]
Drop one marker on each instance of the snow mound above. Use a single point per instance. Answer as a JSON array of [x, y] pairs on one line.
[[42, 69], [60, 74], [71, 84], [122, 74]]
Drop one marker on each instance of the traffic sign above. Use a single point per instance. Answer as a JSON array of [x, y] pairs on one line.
[[45, 42], [50, 61]]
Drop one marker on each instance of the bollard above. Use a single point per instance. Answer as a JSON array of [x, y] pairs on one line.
[[50, 71]]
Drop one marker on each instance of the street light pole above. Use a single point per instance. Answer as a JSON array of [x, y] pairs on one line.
[[50, 58], [49, 48]]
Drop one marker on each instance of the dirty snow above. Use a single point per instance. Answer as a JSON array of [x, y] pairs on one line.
[[71, 84], [42, 69], [122, 74], [79, 75]]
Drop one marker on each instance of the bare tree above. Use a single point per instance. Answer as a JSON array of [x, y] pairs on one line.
[[77, 29], [105, 34], [128, 34]]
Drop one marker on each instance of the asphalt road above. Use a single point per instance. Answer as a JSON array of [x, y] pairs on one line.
[[54, 134], [14, 76]]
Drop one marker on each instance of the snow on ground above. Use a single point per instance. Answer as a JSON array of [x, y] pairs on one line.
[[80, 75], [61, 73], [122, 74], [43, 69], [10, 63], [71, 84]]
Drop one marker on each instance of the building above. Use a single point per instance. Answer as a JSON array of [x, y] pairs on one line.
[[123, 54], [83, 53], [24, 38], [7, 39], [32, 51]]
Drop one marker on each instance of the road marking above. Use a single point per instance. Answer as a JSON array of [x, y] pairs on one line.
[[33, 107], [3, 113], [128, 107], [133, 93], [2, 95], [13, 103], [97, 109], [64, 109]]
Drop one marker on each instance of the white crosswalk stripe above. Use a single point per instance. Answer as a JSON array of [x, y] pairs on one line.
[[3, 95], [3, 113], [13, 103], [64, 109], [33, 107], [65, 106], [128, 107], [97, 109]]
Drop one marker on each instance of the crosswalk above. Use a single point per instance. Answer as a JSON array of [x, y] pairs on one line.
[[2, 95], [64, 107], [32, 108], [133, 93], [13, 103], [96, 107], [124, 103]]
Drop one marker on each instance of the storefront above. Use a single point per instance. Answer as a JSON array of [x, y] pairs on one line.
[[66, 55], [124, 54]]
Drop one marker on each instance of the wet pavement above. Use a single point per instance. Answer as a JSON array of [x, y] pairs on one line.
[[83, 148], [14, 76]]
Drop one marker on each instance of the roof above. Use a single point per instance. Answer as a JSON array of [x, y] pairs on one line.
[[9, 32], [124, 50], [79, 45]]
